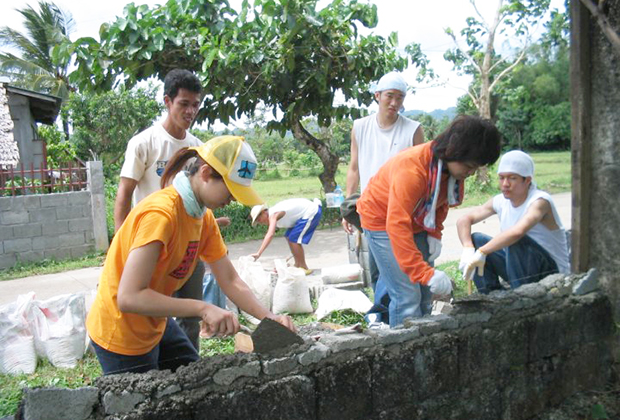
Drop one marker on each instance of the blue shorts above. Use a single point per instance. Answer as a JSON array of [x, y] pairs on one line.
[[303, 230]]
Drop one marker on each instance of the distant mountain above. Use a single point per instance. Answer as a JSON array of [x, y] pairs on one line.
[[438, 114]]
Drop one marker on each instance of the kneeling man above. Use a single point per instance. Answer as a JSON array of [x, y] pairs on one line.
[[532, 243]]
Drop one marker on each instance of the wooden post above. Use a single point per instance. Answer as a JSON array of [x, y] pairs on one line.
[[581, 141]]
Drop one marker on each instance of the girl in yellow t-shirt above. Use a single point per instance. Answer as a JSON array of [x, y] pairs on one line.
[[154, 253]]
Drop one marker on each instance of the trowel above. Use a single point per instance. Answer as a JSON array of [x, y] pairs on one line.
[[268, 336]]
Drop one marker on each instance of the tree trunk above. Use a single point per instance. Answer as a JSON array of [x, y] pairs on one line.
[[65, 128], [328, 158]]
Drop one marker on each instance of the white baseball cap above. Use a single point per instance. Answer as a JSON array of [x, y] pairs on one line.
[[256, 211]]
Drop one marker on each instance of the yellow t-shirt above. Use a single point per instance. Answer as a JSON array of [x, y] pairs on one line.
[[159, 217]]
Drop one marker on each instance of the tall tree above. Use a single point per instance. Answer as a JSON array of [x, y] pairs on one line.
[[480, 58], [36, 67], [284, 55]]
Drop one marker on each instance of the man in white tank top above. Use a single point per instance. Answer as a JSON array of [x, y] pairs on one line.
[[532, 243], [375, 139]]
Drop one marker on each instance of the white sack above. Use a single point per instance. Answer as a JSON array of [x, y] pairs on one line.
[[59, 329], [258, 280], [291, 294], [337, 300], [17, 353], [341, 273]]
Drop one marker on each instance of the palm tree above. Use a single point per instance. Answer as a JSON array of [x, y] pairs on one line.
[[36, 68]]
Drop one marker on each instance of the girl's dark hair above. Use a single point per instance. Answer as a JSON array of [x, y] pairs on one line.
[[469, 138], [178, 161]]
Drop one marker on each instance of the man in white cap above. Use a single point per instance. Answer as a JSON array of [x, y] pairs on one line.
[[375, 139], [532, 243], [299, 216]]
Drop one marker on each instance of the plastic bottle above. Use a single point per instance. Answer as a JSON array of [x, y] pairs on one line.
[[339, 196]]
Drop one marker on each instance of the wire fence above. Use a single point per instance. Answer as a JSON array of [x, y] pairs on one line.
[[20, 180]]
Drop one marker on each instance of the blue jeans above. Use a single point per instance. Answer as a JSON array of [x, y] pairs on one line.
[[172, 351], [407, 299], [211, 291], [379, 312], [192, 289], [523, 262]]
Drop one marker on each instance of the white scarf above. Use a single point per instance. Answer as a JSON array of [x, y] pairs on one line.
[[184, 188]]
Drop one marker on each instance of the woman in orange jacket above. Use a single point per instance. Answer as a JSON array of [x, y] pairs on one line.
[[404, 205]]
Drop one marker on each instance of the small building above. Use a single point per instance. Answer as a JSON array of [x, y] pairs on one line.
[[20, 111]]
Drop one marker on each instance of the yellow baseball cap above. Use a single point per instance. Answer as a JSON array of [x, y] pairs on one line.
[[234, 159]]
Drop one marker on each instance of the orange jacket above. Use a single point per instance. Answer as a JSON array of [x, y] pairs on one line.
[[389, 200]]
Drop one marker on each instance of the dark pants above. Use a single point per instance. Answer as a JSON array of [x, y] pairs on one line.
[[192, 289], [523, 262], [172, 351]]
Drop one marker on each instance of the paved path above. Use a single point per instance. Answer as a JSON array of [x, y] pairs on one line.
[[328, 248]]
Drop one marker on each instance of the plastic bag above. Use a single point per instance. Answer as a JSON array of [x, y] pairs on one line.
[[291, 294], [59, 329], [341, 273], [17, 351], [336, 300], [258, 280]]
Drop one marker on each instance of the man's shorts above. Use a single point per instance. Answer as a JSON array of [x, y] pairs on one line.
[[303, 230]]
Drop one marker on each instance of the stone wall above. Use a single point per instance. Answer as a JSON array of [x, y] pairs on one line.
[[61, 225], [511, 355]]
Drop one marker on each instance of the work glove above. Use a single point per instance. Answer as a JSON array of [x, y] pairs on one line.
[[434, 248], [440, 283], [477, 261], [466, 256]]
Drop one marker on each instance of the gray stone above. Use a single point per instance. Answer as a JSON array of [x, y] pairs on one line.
[[18, 245], [27, 231], [473, 318], [338, 343], [54, 200], [30, 256], [532, 291], [55, 228], [7, 260], [279, 366], [171, 389], [588, 283], [316, 353], [552, 280], [59, 404], [395, 335], [79, 225], [78, 198], [228, 375], [71, 212], [13, 217], [433, 324], [45, 215], [123, 403]]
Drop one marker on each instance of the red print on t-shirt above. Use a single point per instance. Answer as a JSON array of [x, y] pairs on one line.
[[183, 268]]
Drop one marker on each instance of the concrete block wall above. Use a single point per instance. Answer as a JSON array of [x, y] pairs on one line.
[[511, 355], [61, 225]]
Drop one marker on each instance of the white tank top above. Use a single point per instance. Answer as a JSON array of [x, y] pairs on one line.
[[553, 241], [376, 145], [295, 209]]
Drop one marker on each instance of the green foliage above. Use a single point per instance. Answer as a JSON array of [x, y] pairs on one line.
[[36, 67], [215, 346], [104, 122], [534, 111], [513, 19], [345, 317], [110, 187], [59, 150], [310, 54]]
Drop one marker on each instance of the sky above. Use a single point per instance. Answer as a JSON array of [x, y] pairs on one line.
[[420, 21]]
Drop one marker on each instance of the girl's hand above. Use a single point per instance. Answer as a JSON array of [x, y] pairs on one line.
[[284, 320], [218, 322]]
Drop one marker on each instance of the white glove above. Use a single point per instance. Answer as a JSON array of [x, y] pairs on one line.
[[434, 248], [477, 261], [466, 256], [440, 283]]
